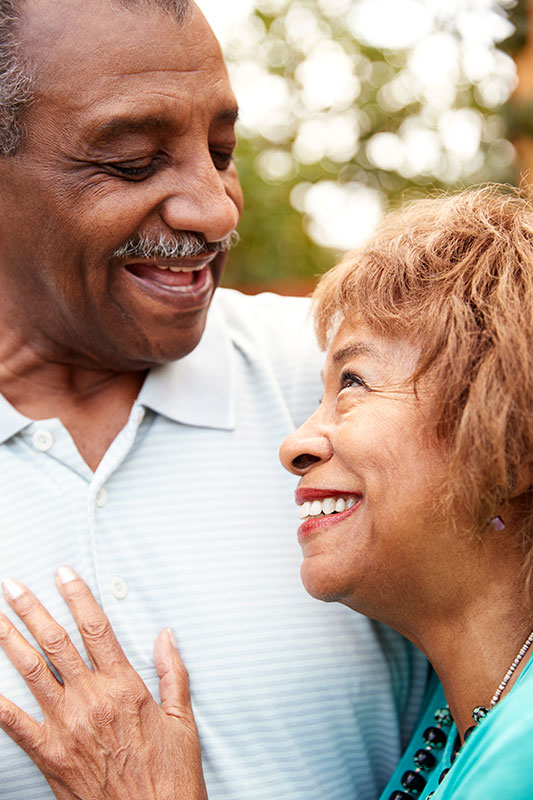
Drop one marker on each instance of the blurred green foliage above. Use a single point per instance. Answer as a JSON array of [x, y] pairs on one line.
[[275, 246]]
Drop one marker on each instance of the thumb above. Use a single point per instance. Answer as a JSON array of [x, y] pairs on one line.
[[173, 677]]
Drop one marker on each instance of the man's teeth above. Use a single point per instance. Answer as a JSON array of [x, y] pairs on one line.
[[179, 269], [327, 506]]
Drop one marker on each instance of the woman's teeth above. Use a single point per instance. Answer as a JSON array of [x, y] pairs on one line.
[[327, 506]]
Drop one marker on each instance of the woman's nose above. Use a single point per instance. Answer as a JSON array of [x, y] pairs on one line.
[[304, 449]]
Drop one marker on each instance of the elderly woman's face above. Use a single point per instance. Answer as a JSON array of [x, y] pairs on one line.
[[371, 470]]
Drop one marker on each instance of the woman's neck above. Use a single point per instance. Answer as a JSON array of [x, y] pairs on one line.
[[471, 677], [473, 649]]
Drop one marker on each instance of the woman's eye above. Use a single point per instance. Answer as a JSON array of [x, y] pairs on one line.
[[350, 379]]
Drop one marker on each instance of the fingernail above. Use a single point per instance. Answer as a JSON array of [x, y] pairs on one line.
[[65, 575], [172, 637], [13, 589]]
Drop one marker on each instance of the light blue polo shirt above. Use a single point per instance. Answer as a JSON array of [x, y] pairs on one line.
[[189, 522]]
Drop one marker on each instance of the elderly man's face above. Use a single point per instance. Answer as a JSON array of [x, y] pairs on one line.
[[131, 135]]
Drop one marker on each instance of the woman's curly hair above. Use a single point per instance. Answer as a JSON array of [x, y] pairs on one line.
[[454, 274]]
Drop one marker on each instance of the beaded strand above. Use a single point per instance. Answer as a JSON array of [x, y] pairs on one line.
[[521, 653], [413, 781]]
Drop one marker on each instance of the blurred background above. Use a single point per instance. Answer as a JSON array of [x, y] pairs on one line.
[[349, 107]]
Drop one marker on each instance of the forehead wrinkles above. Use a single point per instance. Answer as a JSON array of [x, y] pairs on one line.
[[110, 101], [113, 43], [175, 96]]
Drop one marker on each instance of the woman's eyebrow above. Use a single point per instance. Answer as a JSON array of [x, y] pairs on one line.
[[357, 349]]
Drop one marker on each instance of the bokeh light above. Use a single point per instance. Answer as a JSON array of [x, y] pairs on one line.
[[351, 103]]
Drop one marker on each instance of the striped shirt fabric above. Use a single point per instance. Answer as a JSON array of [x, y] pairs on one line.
[[189, 522]]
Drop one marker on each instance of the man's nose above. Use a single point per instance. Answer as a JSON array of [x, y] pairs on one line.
[[202, 199], [305, 448]]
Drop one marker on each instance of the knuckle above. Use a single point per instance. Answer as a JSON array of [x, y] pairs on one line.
[[54, 640], [184, 715], [34, 669], [102, 714], [9, 716], [172, 709], [95, 628], [132, 695]]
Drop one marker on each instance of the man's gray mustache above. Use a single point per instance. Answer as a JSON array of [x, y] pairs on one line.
[[180, 245]]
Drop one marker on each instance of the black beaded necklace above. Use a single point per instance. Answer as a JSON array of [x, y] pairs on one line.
[[435, 737], [413, 781]]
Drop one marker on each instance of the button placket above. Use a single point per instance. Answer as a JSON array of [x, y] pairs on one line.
[[99, 497]]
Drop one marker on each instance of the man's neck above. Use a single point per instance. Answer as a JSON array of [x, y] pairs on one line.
[[94, 405]]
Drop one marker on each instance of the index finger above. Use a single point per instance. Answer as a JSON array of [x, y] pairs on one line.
[[100, 642]]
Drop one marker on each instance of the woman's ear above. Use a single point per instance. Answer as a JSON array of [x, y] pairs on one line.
[[521, 481]]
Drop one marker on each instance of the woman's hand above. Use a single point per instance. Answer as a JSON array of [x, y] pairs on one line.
[[103, 735]]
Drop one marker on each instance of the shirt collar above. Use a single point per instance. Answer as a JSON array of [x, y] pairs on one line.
[[199, 389], [11, 420]]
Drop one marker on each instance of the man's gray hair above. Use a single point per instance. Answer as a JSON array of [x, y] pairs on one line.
[[16, 78]]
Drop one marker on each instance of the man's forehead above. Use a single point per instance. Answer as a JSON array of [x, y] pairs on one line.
[[89, 61], [176, 8], [53, 32]]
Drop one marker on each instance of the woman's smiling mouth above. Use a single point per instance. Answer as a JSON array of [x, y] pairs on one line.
[[319, 508]]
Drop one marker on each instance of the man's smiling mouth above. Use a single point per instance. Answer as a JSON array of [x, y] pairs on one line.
[[168, 274]]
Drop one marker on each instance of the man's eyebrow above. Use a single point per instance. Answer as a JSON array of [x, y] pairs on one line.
[[357, 349], [120, 126]]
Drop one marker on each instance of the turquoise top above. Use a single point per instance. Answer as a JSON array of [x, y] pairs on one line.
[[496, 760]]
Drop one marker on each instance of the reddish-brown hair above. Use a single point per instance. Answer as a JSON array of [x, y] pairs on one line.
[[454, 274]]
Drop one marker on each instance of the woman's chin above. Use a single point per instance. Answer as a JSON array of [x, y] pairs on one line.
[[328, 583], [323, 583]]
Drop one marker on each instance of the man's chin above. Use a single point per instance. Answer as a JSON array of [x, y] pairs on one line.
[[164, 325], [150, 345], [164, 352]]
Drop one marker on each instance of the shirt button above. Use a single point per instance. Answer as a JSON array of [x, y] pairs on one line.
[[42, 440], [102, 496], [119, 587]]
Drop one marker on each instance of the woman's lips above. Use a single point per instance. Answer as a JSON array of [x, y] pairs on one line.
[[322, 508]]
